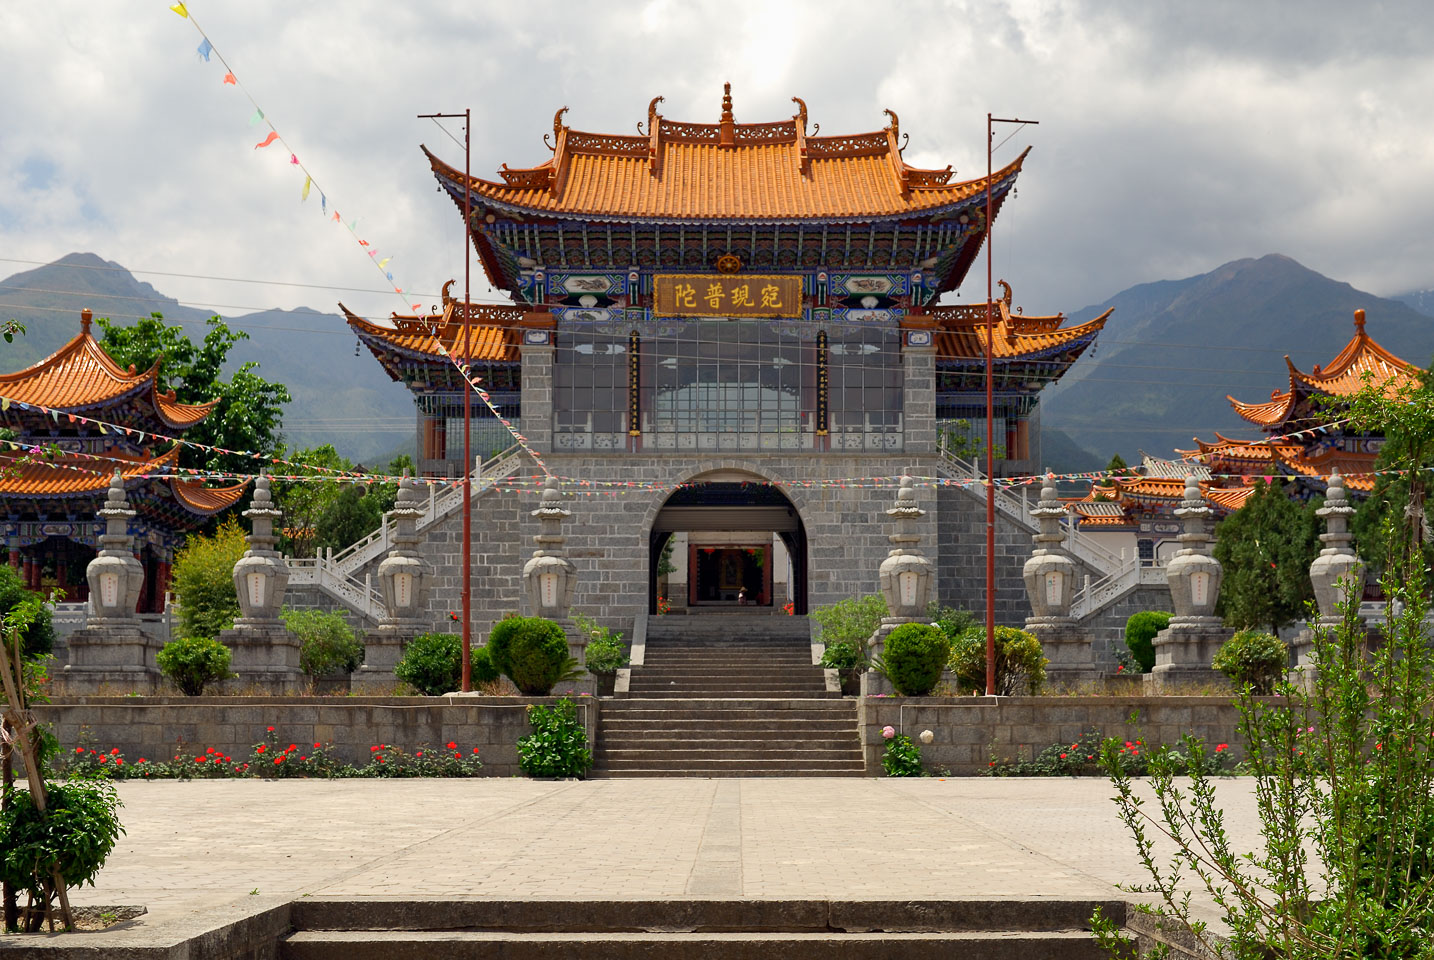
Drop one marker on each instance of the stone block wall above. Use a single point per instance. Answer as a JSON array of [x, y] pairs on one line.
[[969, 730], [961, 563], [160, 727]]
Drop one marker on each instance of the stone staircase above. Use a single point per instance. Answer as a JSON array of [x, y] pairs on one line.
[[546, 929], [728, 695]]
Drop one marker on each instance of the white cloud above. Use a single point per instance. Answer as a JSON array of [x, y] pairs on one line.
[[1172, 137]]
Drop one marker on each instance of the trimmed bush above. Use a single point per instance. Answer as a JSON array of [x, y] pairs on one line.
[[914, 658], [480, 665], [530, 651], [1140, 631], [432, 663], [39, 637], [605, 652], [204, 581], [1020, 662], [329, 644], [558, 745], [1253, 659], [193, 663]]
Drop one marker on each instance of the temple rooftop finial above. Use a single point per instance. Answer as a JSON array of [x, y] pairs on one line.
[[85, 317], [727, 103]]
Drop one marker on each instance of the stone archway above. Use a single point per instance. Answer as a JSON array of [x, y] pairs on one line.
[[746, 542]]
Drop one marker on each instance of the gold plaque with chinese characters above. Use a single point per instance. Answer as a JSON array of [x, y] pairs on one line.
[[726, 295]]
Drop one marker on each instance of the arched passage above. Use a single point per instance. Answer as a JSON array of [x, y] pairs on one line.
[[730, 524]]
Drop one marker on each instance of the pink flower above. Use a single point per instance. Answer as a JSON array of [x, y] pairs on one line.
[[888, 732]]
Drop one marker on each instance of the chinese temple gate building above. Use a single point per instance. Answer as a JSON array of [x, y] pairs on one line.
[[48, 504], [737, 314]]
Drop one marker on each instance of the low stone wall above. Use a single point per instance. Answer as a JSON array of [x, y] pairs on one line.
[[160, 727], [968, 731]]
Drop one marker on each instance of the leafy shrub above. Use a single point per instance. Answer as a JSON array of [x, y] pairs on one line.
[[193, 663], [953, 622], [915, 657], [605, 652], [39, 636], [530, 651], [1020, 662], [1140, 631], [75, 835], [902, 758], [558, 745], [1084, 757], [204, 581], [480, 665], [852, 620], [1253, 659], [329, 644], [845, 656], [432, 663]]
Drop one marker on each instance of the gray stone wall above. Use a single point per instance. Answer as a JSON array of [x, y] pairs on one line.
[[970, 730], [1107, 626], [961, 563], [161, 727]]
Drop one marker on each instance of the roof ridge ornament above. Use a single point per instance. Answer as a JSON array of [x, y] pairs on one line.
[[1359, 322], [801, 116], [728, 124], [85, 317]]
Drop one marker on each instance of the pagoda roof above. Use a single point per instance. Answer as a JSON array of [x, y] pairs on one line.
[[1357, 468], [724, 171], [76, 476], [493, 332], [1229, 498], [1099, 513], [961, 332], [1243, 451], [82, 376], [1342, 377]]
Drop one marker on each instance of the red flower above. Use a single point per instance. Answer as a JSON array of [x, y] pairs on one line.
[[270, 729], [374, 749], [475, 749], [119, 761], [452, 745], [103, 759], [114, 751], [79, 749], [141, 760], [1128, 745], [1063, 756], [316, 746], [278, 760], [260, 748], [303, 758], [1379, 746], [210, 750], [1119, 667], [380, 760], [292, 747], [1221, 747], [457, 755], [198, 759], [419, 754]]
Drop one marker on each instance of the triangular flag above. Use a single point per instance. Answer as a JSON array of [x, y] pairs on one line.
[[180, 9], [231, 79], [308, 182], [258, 115], [293, 159], [323, 203], [383, 263], [204, 49], [336, 215], [273, 135]]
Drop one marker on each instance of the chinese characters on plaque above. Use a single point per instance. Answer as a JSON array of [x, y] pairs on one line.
[[727, 295]]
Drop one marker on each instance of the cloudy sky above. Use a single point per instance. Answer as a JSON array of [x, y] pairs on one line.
[[1172, 138]]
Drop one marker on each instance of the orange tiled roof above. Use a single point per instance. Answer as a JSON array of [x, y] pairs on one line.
[[1356, 467], [961, 330], [493, 334], [80, 376], [1229, 498], [726, 170], [1249, 451], [68, 476], [207, 500], [1341, 377]]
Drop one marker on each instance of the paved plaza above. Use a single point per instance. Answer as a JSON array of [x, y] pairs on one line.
[[192, 846]]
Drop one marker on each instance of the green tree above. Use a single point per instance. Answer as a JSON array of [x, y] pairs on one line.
[[1117, 463], [204, 581], [331, 513], [250, 410], [1266, 548], [1399, 494], [38, 637]]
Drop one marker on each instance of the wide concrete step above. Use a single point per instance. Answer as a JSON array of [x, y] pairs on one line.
[[640, 773], [733, 750], [461, 945], [719, 682], [756, 707], [646, 730], [682, 694]]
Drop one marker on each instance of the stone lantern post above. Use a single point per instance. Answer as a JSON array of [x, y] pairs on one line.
[[1050, 577], [1336, 571], [905, 576], [1184, 650], [264, 650], [404, 578], [112, 649], [550, 576]]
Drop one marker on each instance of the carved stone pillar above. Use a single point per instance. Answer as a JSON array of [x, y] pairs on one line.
[[265, 652], [1335, 573], [905, 576], [1050, 577], [1184, 650], [112, 653], [550, 577], [404, 578]]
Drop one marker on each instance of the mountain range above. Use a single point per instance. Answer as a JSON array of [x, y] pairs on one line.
[[1157, 376], [339, 398], [1159, 373]]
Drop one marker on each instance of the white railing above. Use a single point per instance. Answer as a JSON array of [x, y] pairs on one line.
[[1080, 546], [336, 573], [66, 618], [1097, 593]]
